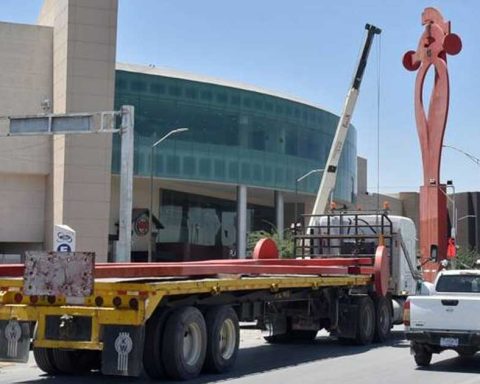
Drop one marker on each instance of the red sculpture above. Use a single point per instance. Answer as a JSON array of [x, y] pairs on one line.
[[434, 45]]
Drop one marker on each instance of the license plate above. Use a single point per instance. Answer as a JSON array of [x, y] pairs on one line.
[[449, 342]]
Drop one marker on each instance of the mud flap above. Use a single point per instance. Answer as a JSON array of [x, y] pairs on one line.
[[14, 341], [347, 321], [122, 350]]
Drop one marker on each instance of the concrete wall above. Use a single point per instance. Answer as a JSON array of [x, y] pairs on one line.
[[468, 231], [84, 48], [362, 180], [22, 204], [411, 203], [25, 81]]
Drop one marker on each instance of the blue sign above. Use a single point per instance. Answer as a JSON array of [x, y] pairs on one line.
[[64, 248]]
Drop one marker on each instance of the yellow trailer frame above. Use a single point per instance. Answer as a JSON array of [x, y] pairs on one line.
[[130, 302]]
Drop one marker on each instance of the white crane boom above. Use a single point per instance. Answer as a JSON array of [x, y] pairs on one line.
[[329, 176]]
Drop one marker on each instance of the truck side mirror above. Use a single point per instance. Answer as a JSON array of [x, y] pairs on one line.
[[434, 253]]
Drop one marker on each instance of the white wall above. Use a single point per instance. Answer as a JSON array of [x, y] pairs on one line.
[[22, 200], [25, 81]]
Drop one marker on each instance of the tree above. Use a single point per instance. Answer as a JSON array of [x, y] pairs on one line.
[[285, 245], [466, 258]]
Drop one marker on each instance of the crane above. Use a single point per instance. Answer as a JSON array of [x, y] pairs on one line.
[[330, 174]]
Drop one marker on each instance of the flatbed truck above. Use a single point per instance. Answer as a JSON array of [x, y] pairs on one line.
[[180, 325], [354, 272]]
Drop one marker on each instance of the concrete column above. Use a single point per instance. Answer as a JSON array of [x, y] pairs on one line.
[[124, 245], [84, 49], [279, 213], [241, 221]]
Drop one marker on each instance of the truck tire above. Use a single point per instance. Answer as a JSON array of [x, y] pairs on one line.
[[44, 359], [223, 339], [152, 348], [184, 343], [383, 319], [422, 356], [365, 321], [76, 361]]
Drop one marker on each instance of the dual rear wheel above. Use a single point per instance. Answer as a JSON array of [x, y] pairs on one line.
[[182, 343], [373, 322], [179, 344]]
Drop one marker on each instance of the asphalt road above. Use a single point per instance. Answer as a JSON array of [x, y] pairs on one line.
[[322, 361]]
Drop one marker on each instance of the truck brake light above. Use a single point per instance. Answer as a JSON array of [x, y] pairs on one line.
[[406, 313]]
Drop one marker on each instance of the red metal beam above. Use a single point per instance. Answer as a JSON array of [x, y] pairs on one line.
[[330, 261], [212, 269], [297, 262], [334, 266], [11, 270]]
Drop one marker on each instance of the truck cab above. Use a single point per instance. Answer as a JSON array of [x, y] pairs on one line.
[[358, 234]]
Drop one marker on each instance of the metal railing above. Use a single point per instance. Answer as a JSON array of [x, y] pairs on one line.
[[345, 234]]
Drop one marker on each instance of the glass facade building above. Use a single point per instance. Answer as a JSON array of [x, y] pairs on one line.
[[237, 135]]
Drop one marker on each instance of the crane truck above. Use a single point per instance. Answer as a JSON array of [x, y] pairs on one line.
[[175, 320]]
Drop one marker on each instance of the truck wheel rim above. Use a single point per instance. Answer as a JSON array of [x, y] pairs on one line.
[[192, 344], [228, 339]]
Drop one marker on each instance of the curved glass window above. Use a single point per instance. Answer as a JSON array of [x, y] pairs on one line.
[[235, 136]]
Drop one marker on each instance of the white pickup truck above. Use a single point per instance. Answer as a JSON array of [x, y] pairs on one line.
[[447, 318]]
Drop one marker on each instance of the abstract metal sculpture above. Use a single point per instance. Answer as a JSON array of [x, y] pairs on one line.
[[435, 43]]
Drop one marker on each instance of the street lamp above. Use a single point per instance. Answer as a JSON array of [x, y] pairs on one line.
[[296, 189], [476, 160], [465, 217], [178, 130]]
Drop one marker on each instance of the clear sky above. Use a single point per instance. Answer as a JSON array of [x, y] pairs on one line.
[[308, 48]]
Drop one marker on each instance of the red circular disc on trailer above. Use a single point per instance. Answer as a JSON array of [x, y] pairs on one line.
[[265, 249], [381, 269]]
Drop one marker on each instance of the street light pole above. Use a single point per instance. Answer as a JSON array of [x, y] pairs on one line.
[[465, 217], [296, 189], [476, 160], [453, 233], [150, 226]]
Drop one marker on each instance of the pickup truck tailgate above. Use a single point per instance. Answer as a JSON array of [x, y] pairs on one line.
[[443, 312]]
